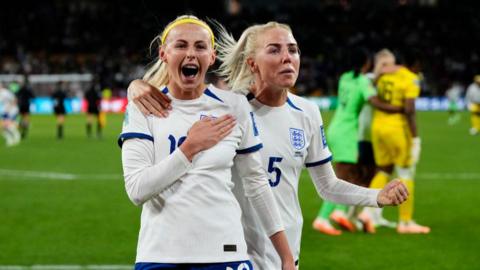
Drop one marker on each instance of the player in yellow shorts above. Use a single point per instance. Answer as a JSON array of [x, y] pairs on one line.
[[473, 101], [396, 144]]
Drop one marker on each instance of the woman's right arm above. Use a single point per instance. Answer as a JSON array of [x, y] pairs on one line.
[[143, 177], [258, 191], [333, 189]]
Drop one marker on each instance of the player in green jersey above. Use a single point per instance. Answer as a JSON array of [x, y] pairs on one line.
[[354, 90]]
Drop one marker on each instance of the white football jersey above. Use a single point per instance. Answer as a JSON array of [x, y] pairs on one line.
[[365, 123], [365, 117], [197, 219], [293, 138], [8, 103], [454, 92], [473, 94]]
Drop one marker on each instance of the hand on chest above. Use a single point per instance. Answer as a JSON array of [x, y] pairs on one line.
[[170, 133]]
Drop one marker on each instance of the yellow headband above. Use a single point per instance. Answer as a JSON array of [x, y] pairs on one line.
[[184, 21]]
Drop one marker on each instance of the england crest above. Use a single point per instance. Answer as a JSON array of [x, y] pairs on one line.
[[297, 138]]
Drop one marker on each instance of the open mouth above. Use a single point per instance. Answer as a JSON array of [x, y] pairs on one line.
[[287, 71], [190, 71]]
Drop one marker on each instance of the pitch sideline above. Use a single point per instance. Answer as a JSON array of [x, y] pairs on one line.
[[45, 175]]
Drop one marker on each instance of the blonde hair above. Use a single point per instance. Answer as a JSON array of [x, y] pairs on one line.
[[379, 60], [157, 73], [234, 54]]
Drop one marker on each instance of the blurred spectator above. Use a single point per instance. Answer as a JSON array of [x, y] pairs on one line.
[[86, 37]]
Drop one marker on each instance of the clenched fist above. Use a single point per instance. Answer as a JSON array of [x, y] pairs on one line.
[[394, 193]]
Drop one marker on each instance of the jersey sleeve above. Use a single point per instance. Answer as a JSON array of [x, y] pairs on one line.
[[412, 87], [318, 152], [250, 141], [258, 192], [135, 125], [367, 88], [330, 188]]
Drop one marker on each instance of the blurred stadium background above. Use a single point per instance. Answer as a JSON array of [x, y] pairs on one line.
[[63, 205]]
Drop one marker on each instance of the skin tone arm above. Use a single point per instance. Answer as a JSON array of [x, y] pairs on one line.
[[376, 102], [149, 99], [279, 241]]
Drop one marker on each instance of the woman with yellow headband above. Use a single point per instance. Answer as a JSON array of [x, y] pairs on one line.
[[179, 168]]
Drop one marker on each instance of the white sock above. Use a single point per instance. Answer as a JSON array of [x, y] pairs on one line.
[[7, 136], [376, 214]]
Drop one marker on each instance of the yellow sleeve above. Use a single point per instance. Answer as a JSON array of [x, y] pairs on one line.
[[412, 87]]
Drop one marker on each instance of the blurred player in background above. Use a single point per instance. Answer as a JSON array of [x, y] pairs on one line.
[[354, 92], [395, 139], [472, 98], [94, 98], [102, 116], [263, 64], [25, 96], [9, 112], [190, 217], [453, 94], [384, 61], [59, 96]]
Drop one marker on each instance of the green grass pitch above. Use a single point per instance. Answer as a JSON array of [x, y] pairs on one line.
[[86, 218]]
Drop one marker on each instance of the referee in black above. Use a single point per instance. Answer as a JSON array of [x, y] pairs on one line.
[[59, 96], [24, 97], [93, 97]]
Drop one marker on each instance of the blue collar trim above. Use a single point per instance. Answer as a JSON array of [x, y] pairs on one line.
[[293, 105], [212, 95]]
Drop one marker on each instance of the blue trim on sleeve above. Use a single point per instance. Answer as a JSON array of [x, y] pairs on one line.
[[323, 161], [250, 149], [293, 105], [133, 135], [165, 90], [212, 95], [250, 96], [255, 129]]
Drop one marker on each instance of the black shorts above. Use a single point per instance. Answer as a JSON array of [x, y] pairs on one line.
[[24, 109], [93, 110], [365, 153], [59, 110]]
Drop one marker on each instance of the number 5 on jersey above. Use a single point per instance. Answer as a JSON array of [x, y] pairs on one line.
[[272, 169]]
